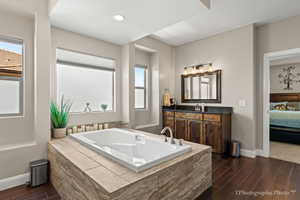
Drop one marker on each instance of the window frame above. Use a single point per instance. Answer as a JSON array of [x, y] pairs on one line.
[[21, 79], [144, 88], [100, 68]]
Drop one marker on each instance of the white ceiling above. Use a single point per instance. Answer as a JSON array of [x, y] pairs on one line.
[[226, 15], [142, 17], [173, 21]]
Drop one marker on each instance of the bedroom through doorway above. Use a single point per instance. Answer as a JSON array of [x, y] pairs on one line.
[[284, 113]]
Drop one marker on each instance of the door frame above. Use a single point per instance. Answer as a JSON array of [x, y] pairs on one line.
[[268, 57]]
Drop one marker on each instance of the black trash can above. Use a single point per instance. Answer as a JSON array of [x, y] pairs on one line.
[[235, 149], [39, 172]]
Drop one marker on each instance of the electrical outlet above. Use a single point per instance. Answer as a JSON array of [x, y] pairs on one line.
[[242, 103]]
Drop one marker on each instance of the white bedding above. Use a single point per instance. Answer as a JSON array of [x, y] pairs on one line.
[[285, 118], [278, 114]]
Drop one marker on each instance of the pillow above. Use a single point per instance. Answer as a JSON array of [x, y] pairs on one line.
[[291, 106], [294, 106], [280, 107], [272, 105]]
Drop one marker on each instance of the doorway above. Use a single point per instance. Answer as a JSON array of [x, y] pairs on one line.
[[281, 104]]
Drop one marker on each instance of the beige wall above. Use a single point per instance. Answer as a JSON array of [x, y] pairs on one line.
[[76, 42], [142, 57], [21, 28], [24, 139], [233, 53], [273, 37]]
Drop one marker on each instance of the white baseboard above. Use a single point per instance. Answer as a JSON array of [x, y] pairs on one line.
[[14, 181], [146, 126], [253, 154], [260, 152], [248, 153]]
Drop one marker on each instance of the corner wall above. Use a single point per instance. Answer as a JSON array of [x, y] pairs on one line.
[[76, 42], [272, 37], [24, 139], [164, 71], [233, 52]]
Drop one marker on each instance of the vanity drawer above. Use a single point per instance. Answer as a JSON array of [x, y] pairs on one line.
[[212, 117], [195, 116]]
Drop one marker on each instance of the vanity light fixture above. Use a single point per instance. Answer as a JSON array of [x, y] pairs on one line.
[[119, 18], [210, 67], [185, 72], [195, 69], [198, 69]]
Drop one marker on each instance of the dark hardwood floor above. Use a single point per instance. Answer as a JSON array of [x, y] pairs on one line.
[[44, 192], [260, 178], [233, 179]]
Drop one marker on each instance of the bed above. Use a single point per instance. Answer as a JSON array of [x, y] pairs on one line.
[[285, 124]]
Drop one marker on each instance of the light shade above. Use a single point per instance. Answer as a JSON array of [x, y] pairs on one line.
[[210, 68]]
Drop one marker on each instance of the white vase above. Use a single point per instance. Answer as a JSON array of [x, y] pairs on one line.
[[59, 132]]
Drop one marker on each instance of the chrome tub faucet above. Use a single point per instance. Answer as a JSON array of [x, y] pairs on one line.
[[172, 141]]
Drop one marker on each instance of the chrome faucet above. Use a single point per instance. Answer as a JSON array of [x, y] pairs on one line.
[[203, 107], [172, 141], [197, 107]]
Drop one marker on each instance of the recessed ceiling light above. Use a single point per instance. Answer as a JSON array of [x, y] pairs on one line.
[[119, 18]]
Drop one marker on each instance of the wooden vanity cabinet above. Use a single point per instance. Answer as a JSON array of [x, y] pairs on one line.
[[209, 129], [195, 132], [181, 129], [169, 120], [213, 135]]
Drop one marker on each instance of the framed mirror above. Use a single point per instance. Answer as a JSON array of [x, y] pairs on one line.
[[201, 87]]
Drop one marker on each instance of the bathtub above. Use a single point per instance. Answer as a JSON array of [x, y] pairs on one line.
[[135, 151]]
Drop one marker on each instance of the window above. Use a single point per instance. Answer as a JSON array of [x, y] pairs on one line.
[[11, 77], [204, 88], [140, 87], [88, 81]]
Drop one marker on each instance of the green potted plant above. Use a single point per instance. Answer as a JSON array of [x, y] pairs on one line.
[[60, 118], [104, 107]]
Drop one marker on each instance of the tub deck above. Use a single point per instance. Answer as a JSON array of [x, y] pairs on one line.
[[79, 173]]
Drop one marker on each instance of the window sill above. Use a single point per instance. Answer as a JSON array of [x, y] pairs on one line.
[[11, 116], [141, 109], [94, 112]]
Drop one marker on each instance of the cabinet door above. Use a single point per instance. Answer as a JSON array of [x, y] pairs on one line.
[[168, 120], [213, 135], [195, 132], [180, 129]]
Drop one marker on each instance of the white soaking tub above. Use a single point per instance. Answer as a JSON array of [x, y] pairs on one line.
[[135, 151]]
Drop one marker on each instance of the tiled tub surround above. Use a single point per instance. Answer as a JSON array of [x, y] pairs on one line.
[[135, 151], [79, 173], [94, 127]]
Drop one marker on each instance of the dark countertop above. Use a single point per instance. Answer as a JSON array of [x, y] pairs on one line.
[[191, 109]]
